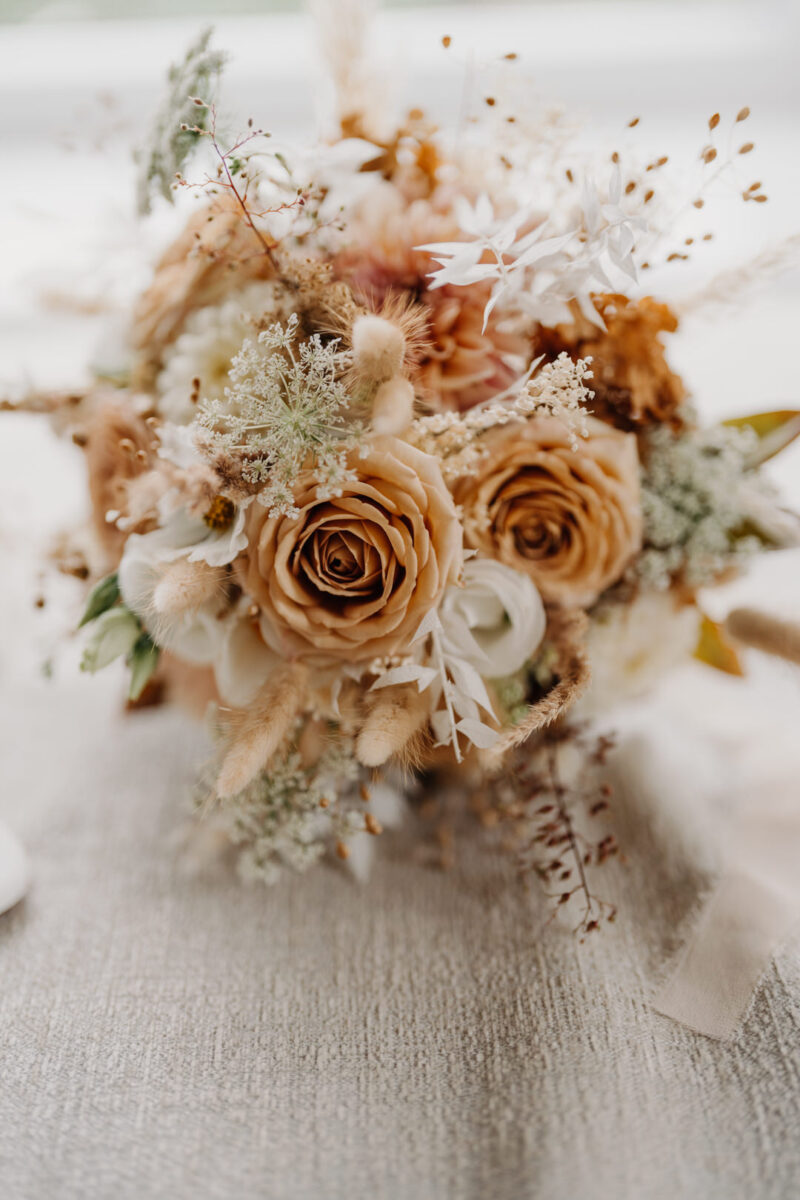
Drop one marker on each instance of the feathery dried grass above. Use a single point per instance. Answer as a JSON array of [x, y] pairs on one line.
[[260, 731], [566, 631], [393, 716]]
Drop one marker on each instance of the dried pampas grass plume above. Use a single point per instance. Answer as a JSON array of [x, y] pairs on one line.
[[344, 30], [185, 586], [263, 728], [394, 716]]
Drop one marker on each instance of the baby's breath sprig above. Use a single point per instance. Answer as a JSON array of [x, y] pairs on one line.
[[290, 815], [557, 390], [703, 506]]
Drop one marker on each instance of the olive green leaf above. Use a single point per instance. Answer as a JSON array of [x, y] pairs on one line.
[[142, 660], [775, 431], [104, 595], [115, 634]]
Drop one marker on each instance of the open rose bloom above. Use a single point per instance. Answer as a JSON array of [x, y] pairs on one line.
[[393, 447]]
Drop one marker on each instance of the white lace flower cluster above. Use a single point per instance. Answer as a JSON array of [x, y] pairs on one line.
[[698, 502], [285, 401], [556, 389]]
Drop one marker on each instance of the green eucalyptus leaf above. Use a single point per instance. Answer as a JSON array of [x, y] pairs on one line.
[[115, 634], [774, 430], [104, 595], [142, 660]]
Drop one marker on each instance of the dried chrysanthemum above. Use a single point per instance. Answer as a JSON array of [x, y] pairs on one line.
[[631, 382]]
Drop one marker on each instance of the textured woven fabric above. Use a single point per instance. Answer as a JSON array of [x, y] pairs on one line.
[[172, 1036]]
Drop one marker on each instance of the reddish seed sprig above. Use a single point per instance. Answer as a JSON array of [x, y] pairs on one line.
[[546, 820]]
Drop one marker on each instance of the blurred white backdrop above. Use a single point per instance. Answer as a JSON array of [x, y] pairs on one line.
[[77, 94]]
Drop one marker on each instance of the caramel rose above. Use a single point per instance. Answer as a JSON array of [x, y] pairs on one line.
[[568, 515], [352, 577]]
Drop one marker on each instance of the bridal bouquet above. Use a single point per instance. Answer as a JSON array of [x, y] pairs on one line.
[[394, 458]]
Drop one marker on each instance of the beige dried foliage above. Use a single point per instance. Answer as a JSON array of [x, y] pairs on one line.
[[260, 731], [394, 715], [216, 254], [119, 447]]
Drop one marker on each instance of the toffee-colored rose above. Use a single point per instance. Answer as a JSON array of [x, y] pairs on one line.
[[352, 577], [566, 515]]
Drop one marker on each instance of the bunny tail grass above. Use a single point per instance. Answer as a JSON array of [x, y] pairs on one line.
[[263, 728], [394, 716], [764, 632], [185, 586]]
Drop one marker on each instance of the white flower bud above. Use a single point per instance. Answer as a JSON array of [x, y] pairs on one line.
[[378, 347], [114, 634], [393, 406]]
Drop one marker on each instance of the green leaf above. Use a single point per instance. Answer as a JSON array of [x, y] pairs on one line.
[[775, 431], [104, 595], [115, 634], [142, 660], [715, 650]]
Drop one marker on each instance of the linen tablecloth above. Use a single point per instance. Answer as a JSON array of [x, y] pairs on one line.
[[173, 1034]]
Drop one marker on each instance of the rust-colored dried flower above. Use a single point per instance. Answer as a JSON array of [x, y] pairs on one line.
[[632, 384], [216, 254]]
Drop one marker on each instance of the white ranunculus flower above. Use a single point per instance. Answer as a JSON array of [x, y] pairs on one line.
[[194, 635], [496, 621], [632, 646], [211, 337], [243, 662]]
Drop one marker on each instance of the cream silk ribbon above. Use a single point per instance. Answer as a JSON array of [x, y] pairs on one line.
[[753, 909]]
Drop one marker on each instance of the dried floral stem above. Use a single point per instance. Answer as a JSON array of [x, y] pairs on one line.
[[765, 632], [559, 795], [43, 402]]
